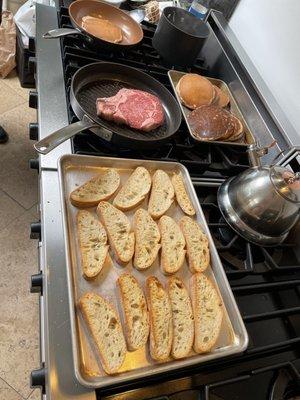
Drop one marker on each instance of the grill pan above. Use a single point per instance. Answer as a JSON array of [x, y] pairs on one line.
[[105, 79]]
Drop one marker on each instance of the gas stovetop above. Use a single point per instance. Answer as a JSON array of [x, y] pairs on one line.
[[201, 160], [262, 279], [265, 281]]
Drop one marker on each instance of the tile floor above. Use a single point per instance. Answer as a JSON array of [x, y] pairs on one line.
[[19, 325]]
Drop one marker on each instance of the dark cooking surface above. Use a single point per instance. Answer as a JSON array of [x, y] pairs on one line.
[[265, 281], [106, 88]]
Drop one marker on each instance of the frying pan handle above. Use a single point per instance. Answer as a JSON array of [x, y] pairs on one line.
[[57, 33], [49, 143]]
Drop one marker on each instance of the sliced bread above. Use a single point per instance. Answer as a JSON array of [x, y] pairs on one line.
[[100, 187], [172, 245], [147, 239], [135, 311], [106, 329], [182, 196], [134, 191], [160, 313], [92, 243], [208, 312], [196, 245], [118, 229], [183, 319], [162, 194]]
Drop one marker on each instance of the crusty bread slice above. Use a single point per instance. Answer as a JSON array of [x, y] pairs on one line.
[[182, 196], [208, 313], [92, 243], [160, 313], [162, 194], [196, 245], [118, 229], [134, 191], [183, 319], [135, 311], [100, 187], [147, 239], [106, 329], [172, 245]]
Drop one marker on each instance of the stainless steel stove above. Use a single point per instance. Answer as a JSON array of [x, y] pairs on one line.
[[265, 281]]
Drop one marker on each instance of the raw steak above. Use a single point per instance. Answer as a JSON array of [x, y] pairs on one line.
[[135, 108]]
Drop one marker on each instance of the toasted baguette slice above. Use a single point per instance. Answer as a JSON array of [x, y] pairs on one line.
[[196, 245], [106, 329], [172, 245], [147, 239], [118, 229], [160, 313], [134, 191], [208, 312], [183, 319], [99, 188], [92, 243], [162, 194], [182, 196], [135, 312]]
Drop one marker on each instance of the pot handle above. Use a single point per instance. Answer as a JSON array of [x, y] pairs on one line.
[[57, 33], [49, 143]]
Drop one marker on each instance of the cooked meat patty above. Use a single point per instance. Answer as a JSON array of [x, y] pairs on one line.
[[135, 108]]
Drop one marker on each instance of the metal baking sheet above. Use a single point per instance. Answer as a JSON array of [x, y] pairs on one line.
[[248, 138], [74, 170]]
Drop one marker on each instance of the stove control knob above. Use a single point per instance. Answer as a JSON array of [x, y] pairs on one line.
[[34, 163], [38, 378], [33, 131], [31, 65], [36, 285], [35, 230], [33, 99], [31, 44]]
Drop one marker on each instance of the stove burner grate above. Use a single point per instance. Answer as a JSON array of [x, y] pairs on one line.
[[199, 158]]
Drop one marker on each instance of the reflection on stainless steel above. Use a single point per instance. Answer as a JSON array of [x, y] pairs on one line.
[[138, 14], [262, 203]]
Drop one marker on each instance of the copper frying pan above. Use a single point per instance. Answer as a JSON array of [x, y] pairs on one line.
[[131, 30]]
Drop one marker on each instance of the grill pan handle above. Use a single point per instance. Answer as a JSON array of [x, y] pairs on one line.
[[49, 143], [57, 33]]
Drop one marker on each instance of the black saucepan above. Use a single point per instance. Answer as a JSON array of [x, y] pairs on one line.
[[179, 36], [131, 30], [105, 79]]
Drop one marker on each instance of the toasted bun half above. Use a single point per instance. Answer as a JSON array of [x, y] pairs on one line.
[[195, 91]]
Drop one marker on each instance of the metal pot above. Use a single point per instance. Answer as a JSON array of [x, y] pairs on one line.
[[179, 36], [262, 203]]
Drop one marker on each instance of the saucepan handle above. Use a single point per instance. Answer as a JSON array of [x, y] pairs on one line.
[[57, 33], [49, 143]]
